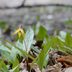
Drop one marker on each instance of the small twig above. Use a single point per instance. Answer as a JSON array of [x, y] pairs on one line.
[[40, 5]]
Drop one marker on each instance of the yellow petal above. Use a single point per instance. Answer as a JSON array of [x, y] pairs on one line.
[[19, 31], [22, 31], [19, 34], [16, 32]]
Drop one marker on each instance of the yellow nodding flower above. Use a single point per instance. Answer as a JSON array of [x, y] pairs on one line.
[[20, 32]]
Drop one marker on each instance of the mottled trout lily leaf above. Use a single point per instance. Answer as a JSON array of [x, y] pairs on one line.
[[28, 40]]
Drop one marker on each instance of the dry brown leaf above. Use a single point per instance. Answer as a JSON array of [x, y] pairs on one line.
[[35, 67], [66, 60], [54, 68]]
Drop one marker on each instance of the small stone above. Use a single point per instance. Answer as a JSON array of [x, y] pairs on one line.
[[43, 2], [10, 3], [68, 69]]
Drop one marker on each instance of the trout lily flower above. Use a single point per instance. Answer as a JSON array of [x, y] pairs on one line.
[[19, 32]]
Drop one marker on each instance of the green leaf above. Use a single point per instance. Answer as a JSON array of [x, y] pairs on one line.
[[3, 67], [43, 54], [62, 35], [2, 24], [35, 49], [14, 50], [68, 40], [61, 45], [41, 33], [13, 70], [4, 48], [68, 21], [15, 63], [19, 44], [24, 53], [5, 52], [28, 40], [46, 60]]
